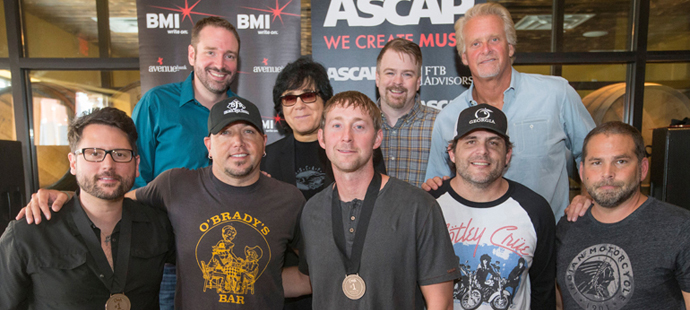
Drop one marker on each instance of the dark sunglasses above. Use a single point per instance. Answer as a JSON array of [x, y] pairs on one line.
[[290, 100]]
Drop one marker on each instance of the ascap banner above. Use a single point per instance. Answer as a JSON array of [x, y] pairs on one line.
[[347, 36], [269, 33]]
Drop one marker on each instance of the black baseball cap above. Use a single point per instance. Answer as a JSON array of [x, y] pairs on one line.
[[230, 110], [481, 116]]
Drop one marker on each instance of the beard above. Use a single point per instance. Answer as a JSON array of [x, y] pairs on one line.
[[480, 180], [396, 103], [212, 85], [613, 198], [117, 191]]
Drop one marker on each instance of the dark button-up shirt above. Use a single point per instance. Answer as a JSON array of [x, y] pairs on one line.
[[49, 266]]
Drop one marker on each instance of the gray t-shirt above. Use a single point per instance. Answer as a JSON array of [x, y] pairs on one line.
[[641, 262], [230, 241], [407, 245]]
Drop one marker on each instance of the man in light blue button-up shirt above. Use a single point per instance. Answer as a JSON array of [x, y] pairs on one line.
[[546, 118]]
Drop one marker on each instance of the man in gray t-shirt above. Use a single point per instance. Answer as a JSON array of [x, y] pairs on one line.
[[372, 241], [629, 251]]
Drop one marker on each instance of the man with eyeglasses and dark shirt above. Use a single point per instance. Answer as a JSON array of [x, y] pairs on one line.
[[101, 250]]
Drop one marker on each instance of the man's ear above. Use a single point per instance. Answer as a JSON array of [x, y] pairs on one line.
[[191, 55], [644, 168], [319, 135], [379, 139], [73, 163]]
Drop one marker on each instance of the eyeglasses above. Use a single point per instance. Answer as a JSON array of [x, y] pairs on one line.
[[290, 100], [98, 155]]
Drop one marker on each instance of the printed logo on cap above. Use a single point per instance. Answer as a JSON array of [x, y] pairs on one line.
[[236, 106], [482, 115]]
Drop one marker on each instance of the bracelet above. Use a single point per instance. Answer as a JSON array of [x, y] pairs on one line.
[[69, 196]]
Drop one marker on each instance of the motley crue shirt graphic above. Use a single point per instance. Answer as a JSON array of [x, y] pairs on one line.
[[230, 241], [641, 262], [505, 249]]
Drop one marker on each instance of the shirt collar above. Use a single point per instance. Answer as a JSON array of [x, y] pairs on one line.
[[187, 91], [508, 94], [410, 115]]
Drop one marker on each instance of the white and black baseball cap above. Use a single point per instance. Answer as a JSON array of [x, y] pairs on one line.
[[481, 116], [230, 110]]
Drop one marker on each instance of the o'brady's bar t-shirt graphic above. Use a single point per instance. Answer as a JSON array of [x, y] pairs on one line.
[[232, 254], [230, 241]]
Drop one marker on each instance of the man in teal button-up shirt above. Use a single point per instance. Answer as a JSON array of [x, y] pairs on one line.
[[172, 119]]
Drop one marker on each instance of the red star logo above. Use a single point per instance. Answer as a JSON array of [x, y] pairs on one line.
[[160, 61], [186, 10], [277, 119], [276, 12], [265, 61]]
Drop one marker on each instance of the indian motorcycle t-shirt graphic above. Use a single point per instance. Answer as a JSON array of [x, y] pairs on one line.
[[600, 277], [232, 254]]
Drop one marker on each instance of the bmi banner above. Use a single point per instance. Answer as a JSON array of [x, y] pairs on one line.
[[347, 36], [269, 39]]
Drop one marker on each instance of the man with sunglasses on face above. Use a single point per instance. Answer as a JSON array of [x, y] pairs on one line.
[[299, 94], [101, 250]]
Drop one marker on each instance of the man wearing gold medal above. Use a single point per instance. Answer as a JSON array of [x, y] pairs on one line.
[[101, 250], [372, 241]]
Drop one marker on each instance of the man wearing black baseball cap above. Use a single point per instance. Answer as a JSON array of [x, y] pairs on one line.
[[232, 224], [487, 214]]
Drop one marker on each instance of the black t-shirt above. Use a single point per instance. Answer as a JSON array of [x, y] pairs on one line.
[[230, 240], [310, 171]]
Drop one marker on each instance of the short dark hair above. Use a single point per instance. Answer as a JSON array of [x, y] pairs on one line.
[[403, 46], [214, 21], [617, 128], [298, 73], [453, 143], [354, 99], [102, 116]]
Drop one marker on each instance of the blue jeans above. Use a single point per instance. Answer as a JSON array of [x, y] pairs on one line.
[[167, 294]]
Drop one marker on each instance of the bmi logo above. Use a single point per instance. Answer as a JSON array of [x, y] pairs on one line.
[[263, 21], [173, 20], [236, 106]]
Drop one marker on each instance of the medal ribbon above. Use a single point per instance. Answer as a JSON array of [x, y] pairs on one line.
[[352, 263], [114, 281]]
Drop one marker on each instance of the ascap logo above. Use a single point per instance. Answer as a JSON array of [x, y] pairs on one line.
[[352, 74], [482, 115], [236, 106], [436, 104], [354, 12]]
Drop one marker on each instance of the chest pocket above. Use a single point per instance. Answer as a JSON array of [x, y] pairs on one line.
[[50, 273], [531, 137]]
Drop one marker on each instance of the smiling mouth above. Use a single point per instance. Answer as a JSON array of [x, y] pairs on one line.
[[239, 155], [479, 164]]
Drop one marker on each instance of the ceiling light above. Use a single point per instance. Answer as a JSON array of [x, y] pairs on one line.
[[595, 34], [122, 24], [543, 22]]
